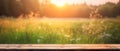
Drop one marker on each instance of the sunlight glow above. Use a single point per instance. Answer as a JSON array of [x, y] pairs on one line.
[[89, 2], [70, 2], [58, 2]]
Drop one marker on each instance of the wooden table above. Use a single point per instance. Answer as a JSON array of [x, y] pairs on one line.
[[59, 46]]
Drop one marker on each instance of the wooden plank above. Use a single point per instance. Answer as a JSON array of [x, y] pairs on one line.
[[59, 46]]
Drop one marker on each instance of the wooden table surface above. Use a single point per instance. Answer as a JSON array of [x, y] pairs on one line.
[[59, 46]]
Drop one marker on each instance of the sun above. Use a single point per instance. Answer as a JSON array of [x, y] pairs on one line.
[[59, 3]]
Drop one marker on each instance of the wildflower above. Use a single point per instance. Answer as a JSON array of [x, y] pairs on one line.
[[67, 35], [39, 27], [38, 40], [78, 39], [107, 35]]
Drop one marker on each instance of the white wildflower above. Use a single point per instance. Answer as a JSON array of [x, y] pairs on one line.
[[38, 40], [107, 35]]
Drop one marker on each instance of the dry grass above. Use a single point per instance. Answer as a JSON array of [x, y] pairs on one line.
[[59, 31]]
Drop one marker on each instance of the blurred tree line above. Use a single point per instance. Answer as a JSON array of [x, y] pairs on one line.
[[17, 8], [109, 9]]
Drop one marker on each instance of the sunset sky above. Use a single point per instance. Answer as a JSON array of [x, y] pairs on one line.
[[93, 2]]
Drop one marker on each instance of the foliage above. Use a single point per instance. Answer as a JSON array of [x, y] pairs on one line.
[[109, 10], [17, 7]]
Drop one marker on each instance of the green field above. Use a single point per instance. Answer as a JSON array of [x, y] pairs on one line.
[[59, 31]]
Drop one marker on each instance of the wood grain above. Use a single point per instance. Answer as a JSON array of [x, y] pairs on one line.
[[59, 46]]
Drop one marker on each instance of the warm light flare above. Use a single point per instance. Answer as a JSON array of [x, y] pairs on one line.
[[70, 2], [58, 2]]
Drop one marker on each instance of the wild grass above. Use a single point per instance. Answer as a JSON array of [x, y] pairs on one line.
[[59, 31]]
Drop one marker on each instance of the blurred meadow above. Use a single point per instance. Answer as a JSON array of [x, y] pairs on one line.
[[59, 31], [59, 21]]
